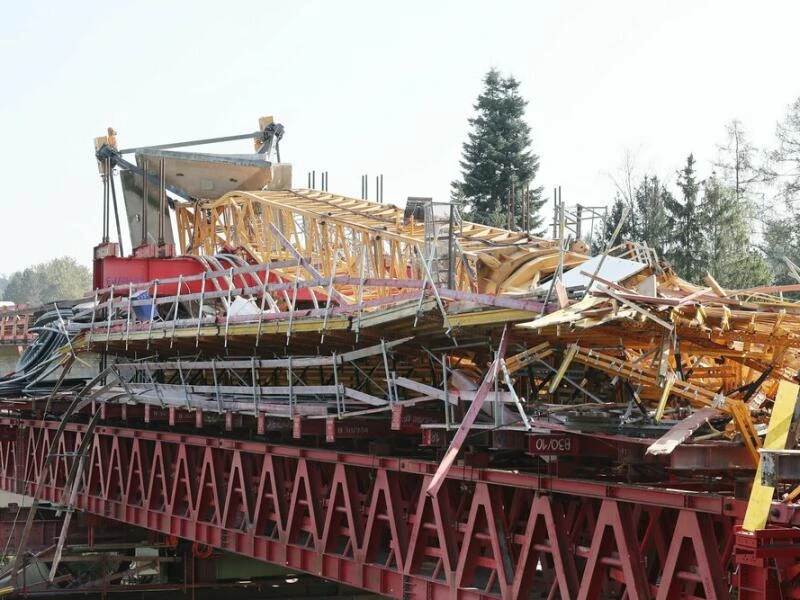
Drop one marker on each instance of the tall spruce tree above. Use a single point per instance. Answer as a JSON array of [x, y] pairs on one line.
[[782, 219], [650, 200], [684, 249], [497, 164], [728, 253]]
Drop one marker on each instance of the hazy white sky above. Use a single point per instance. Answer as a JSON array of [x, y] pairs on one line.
[[373, 87]]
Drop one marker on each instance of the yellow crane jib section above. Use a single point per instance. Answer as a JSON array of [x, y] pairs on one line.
[[343, 236], [780, 422]]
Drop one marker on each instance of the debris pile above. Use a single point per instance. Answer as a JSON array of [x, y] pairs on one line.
[[622, 344]]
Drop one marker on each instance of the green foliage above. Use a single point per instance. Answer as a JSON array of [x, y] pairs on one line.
[[496, 161], [647, 216], [626, 232], [650, 216], [782, 239], [782, 221], [3, 284], [786, 158], [59, 279], [685, 248], [695, 235], [727, 251]]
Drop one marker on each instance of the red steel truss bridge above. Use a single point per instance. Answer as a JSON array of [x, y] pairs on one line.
[[400, 400], [367, 521]]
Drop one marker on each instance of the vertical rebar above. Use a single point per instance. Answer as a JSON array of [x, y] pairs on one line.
[[108, 199], [116, 212], [145, 192], [162, 201], [451, 276], [381, 188], [513, 201], [105, 202], [527, 208], [555, 213], [509, 209]]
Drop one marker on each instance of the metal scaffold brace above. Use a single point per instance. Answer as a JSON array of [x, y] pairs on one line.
[[469, 418], [79, 401]]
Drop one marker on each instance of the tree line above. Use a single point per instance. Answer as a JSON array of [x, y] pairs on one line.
[[706, 227], [58, 279], [740, 221]]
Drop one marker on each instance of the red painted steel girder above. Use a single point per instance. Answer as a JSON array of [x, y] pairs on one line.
[[366, 521], [767, 563], [122, 271]]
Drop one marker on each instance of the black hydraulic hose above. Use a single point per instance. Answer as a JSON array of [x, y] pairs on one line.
[[43, 356]]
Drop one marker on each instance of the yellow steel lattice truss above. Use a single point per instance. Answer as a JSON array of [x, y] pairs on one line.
[[361, 239]]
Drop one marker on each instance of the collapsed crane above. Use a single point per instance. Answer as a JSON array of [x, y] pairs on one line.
[[485, 413]]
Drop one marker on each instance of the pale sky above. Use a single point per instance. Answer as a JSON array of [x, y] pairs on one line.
[[373, 87]]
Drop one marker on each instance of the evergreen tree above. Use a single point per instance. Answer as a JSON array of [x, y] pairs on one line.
[[695, 235], [728, 254], [781, 240], [685, 246], [737, 166], [606, 229], [497, 164], [782, 217], [650, 221], [531, 203], [647, 221], [786, 157]]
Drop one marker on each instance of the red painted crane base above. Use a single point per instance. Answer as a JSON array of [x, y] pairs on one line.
[[366, 521]]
